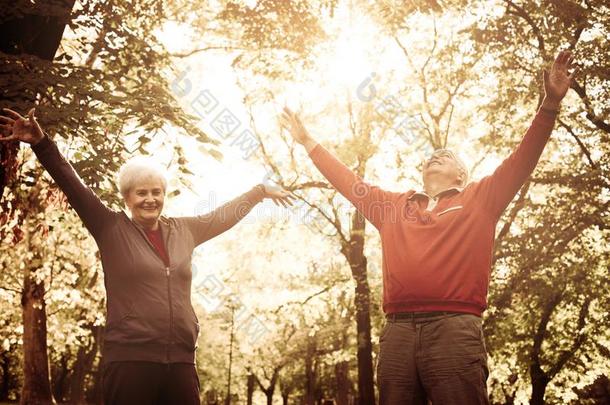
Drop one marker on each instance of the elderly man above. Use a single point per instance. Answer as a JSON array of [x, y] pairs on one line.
[[151, 331], [437, 252]]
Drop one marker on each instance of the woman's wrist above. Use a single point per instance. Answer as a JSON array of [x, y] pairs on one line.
[[37, 141], [261, 189]]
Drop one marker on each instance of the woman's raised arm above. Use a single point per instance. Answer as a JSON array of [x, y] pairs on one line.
[[94, 214]]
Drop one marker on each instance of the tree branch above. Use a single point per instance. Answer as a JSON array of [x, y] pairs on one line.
[[519, 205], [547, 311], [205, 49], [578, 341], [590, 113], [309, 298], [520, 12], [580, 143]]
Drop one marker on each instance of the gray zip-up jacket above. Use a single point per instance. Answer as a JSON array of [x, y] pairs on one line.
[[149, 311]]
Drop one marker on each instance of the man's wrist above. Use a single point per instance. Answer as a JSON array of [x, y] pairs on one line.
[[550, 105], [309, 144]]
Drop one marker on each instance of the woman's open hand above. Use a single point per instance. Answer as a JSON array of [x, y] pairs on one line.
[[278, 195], [15, 127]]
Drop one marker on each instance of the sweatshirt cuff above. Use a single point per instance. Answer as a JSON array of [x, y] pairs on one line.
[[44, 144], [547, 115], [315, 151]]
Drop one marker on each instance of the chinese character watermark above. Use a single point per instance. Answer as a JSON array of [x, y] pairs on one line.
[[223, 121]]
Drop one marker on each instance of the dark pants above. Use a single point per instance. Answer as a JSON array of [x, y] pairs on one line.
[[440, 358], [146, 383]]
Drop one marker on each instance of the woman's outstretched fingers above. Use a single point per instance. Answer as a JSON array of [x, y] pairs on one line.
[[25, 129], [33, 120], [6, 119], [13, 114], [7, 138], [6, 129]]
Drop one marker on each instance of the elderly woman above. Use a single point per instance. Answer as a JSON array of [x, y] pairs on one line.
[[151, 331]]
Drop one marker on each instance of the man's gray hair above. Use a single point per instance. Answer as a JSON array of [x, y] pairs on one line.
[[460, 164], [137, 170]]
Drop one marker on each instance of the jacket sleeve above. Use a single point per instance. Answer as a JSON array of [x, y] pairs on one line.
[[223, 218], [495, 192], [92, 211], [372, 202]]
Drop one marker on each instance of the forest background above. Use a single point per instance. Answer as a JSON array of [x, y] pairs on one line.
[[289, 300]]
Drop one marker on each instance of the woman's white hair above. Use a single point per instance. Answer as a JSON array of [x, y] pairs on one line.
[[138, 169]]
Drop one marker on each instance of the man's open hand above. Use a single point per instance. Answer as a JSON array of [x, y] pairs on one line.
[[557, 81], [293, 124]]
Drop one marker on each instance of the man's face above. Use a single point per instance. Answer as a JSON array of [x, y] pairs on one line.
[[145, 201], [443, 163]]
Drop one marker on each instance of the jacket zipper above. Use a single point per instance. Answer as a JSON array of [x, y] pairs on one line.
[[169, 300], [167, 277], [171, 313]]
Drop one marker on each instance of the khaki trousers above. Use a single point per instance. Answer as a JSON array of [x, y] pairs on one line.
[[433, 357]]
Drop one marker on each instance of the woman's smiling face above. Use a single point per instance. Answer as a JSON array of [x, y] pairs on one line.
[[145, 201]]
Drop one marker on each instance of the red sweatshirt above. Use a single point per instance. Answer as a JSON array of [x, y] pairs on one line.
[[439, 260], [156, 238]]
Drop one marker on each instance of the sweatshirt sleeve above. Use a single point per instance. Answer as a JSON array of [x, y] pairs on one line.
[[371, 201], [495, 192], [92, 211], [223, 218]]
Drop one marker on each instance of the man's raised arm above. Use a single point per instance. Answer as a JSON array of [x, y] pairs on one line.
[[497, 190], [373, 202]]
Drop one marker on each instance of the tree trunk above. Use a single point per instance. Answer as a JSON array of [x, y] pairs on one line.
[[363, 327], [95, 394], [36, 383], [354, 253], [343, 383], [539, 383], [250, 392], [59, 378], [310, 377], [269, 390], [5, 383], [84, 363], [285, 390]]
